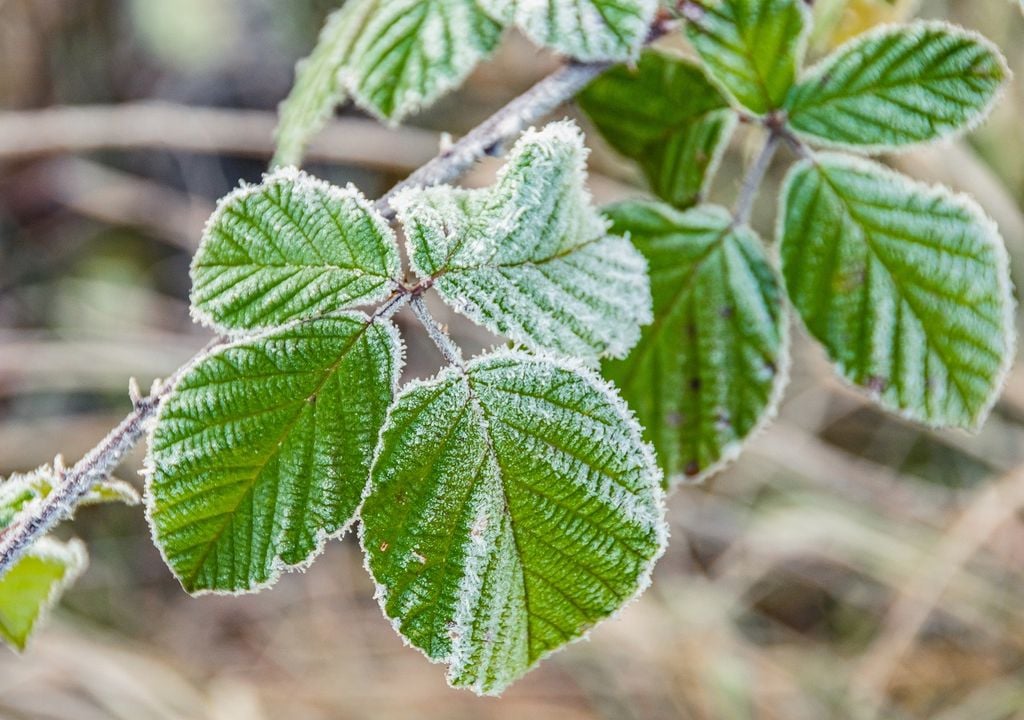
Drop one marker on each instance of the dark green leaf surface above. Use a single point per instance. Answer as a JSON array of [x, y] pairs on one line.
[[263, 450], [711, 367], [898, 86], [906, 285], [754, 48], [666, 115], [509, 510]]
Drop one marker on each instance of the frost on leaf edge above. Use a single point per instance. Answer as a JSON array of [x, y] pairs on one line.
[[278, 567], [630, 424], [980, 117], [992, 236], [299, 178]]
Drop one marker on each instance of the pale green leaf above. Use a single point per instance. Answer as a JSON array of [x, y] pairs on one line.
[[897, 86], [906, 285], [531, 258], [263, 449], [710, 369], [318, 89], [34, 584], [291, 248], [586, 30], [666, 115], [410, 52], [510, 508], [752, 47]]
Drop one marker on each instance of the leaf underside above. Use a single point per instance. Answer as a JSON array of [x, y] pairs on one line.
[[410, 52], [709, 370], [752, 47], [509, 510], [317, 89], [263, 450], [898, 86], [34, 584], [291, 248], [906, 285], [667, 116], [586, 30], [530, 258]]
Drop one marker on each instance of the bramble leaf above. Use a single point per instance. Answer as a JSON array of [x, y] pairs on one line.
[[711, 367], [906, 285], [510, 508], [263, 449], [666, 115], [530, 257], [291, 248], [34, 584], [898, 86], [410, 52], [586, 30], [318, 89], [752, 47]]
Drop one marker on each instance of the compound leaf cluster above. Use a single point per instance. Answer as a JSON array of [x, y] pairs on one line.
[[268, 446], [906, 286]]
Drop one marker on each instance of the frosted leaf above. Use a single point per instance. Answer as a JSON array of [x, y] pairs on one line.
[[586, 30], [34, 584], [317, 89], [21, 490], [711, 368], [666, 115], [510, 508], [410, 52], [898, 86], [906, 285], [263, 449], [752, 47], [291, 248], [530, 257]]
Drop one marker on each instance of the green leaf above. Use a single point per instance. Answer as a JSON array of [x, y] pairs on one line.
[[898, 86], [666, 115], [318, 89], [586, 30], [711, 368], [410, 52], [531, 258], [291, 248], [510, 508], [752, 47], [906, 285], [34, 584], [263, 449]]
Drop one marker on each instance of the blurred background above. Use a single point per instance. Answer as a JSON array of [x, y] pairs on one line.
[[850, 565]]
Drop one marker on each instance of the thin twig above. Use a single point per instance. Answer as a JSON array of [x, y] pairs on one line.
[[754, 179], [29, 134], [486, 139], [444, 343]]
